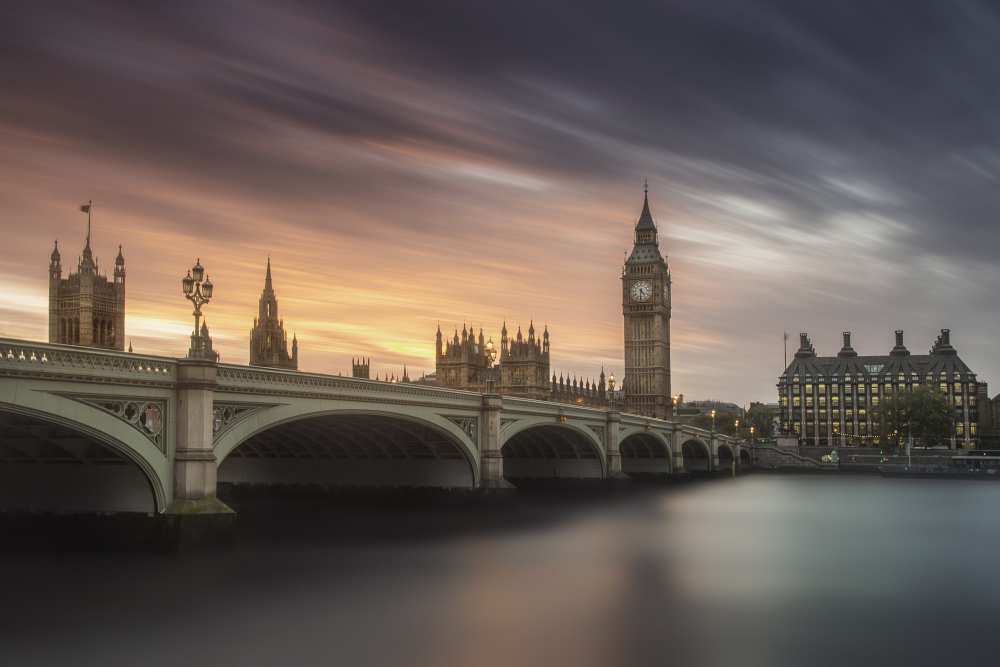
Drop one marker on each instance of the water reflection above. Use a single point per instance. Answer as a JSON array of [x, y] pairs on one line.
[[763, 570]]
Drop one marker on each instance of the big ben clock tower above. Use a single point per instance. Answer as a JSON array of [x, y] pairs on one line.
[[646, 308]]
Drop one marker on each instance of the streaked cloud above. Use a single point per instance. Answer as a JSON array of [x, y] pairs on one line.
[[810, 168]]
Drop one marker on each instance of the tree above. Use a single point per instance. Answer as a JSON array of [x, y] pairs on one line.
[[923, 414], [761, 418], [725, 423]]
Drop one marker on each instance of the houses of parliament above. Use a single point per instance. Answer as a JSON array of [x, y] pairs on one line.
[[88, 308], [522, 367]]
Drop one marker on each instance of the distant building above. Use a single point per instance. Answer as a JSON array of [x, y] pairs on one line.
[[87, 308], [524, 364], [268, 341], [463, 363], [361, 368], [827, 401], [521, 367]]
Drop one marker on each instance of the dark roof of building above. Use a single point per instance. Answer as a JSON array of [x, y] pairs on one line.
[[943, 358]]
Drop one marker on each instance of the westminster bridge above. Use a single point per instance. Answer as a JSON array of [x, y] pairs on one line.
[[93, 430]]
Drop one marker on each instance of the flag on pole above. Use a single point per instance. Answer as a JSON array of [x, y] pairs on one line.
[[85, 208]]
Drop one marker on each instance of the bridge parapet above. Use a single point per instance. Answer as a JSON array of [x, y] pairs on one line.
[[276, 382], [69, 361]]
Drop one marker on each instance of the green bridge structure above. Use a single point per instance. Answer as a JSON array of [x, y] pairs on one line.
[[88, 430]]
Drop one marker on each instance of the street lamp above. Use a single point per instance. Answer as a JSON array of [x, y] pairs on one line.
[[490, 354], [713, 420], [198, 290], [611, 391]]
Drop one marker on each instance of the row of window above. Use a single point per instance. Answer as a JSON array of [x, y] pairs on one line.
[[874, 389], [958, 401], [863, 429]]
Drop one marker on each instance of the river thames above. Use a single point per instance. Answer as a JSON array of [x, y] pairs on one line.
[[762, 570]]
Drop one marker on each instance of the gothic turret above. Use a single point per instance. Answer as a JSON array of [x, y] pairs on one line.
[[268, 341], [86, 308]]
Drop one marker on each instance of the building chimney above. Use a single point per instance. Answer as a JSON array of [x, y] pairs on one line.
[[847, 350], [899, 350], [943, 344], [805, 347]]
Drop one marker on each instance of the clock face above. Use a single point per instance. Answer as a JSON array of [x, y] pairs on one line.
[[642, 290]]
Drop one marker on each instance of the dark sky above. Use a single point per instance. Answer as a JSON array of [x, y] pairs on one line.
[[812, 167]]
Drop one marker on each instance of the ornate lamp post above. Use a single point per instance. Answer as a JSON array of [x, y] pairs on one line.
[[491, 356], [198, 289], [713, 420], [611, 391]]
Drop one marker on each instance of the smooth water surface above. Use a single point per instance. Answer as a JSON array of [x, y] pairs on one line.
[[763, 570]]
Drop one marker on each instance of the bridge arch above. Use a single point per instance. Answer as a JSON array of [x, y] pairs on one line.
[[538, 448], [348, 446], [745, 458], [697, 455], [726, 456], [645, 453], [70, 457]]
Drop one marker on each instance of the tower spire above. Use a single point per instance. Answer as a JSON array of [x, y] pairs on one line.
[[87, 261], [267, 276], [86, 208]]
